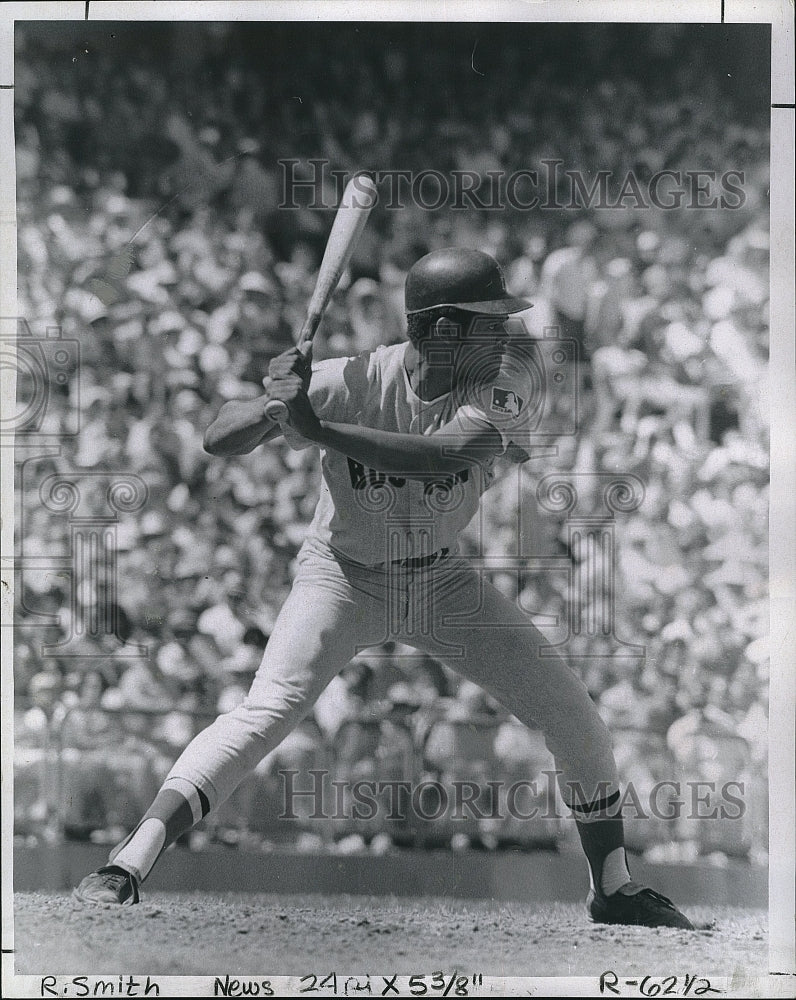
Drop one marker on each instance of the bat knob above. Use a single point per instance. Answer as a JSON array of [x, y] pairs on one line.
[[277, 411]]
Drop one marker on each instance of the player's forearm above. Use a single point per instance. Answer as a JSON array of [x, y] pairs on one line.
[[239, 427], [410, 455]]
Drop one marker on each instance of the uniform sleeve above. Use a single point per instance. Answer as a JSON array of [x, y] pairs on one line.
[[506, 404], [329, 396]]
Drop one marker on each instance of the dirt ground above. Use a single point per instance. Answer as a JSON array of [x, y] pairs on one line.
[[183, 934]]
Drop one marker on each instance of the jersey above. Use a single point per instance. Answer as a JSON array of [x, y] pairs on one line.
[[371, 517]]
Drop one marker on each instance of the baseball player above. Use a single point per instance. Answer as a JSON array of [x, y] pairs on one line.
[[409, 435]]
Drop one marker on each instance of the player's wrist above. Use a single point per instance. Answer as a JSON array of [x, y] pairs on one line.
[[318, 432]]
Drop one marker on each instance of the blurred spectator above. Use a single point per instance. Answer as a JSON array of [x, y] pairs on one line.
[[148, 229], [566, 283]]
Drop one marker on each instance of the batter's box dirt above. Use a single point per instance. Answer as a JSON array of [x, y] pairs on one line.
[[255, 935]]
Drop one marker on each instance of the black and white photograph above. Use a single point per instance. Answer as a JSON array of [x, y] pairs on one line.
[[397, 450]]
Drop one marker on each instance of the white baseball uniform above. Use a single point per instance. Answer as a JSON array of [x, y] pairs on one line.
[[381, 563]]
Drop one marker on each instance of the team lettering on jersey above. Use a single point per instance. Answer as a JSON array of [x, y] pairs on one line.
[[362, 477]]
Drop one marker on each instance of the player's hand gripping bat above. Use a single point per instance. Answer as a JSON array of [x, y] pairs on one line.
[[357, 202]]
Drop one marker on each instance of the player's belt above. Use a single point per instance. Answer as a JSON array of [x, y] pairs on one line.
[[418, 562]]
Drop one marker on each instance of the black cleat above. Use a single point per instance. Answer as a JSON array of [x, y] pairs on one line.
[[637, 905], [109, 886]]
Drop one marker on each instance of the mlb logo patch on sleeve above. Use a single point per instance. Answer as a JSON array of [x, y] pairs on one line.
[[506, 401]]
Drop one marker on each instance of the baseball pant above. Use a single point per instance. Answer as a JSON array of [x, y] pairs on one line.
[[337, 607]]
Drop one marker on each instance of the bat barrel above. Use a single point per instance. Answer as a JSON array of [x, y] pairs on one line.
[[358, 200]]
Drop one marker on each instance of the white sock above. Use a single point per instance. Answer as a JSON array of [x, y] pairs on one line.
[[615, 872], [143, 849]]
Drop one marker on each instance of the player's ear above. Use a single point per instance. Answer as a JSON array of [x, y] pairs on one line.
[[448, 327]]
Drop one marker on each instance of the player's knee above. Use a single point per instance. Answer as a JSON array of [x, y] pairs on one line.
[[280, 710]]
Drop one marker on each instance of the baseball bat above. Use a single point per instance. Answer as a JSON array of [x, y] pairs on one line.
[[355, 206]]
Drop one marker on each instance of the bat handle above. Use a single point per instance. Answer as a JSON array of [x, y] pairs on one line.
[[276, 410], [307, 332]]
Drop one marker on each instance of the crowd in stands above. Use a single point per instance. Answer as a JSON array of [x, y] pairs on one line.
[[148, 185]]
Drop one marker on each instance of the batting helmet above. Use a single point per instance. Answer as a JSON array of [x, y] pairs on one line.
[[469, 280]]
